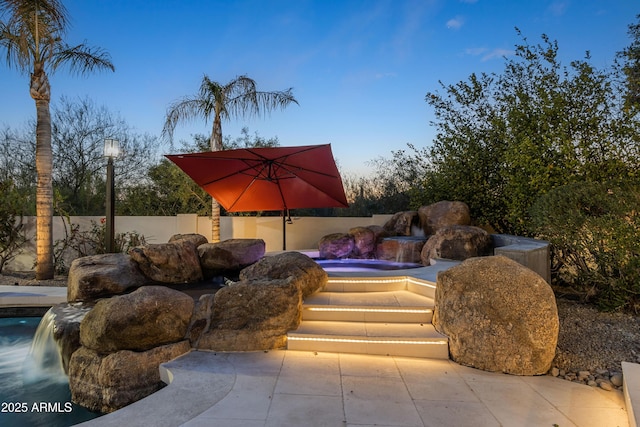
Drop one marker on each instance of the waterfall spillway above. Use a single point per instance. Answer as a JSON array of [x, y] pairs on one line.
[[44, 359]]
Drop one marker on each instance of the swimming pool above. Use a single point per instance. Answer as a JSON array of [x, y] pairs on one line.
[[28, 398]]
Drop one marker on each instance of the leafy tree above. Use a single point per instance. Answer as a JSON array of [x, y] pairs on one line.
[[631, 65], [245, 140], [505, 139], [237, 98], [32, 33], [17, 165], [386, 192], [79, 130]]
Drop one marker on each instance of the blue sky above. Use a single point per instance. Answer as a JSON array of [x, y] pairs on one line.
[[360, 69]]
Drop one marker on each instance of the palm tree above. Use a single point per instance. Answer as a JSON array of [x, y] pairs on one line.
[[238, 98], [32, 36]]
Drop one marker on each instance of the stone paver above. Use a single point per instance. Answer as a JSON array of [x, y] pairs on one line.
[[294, 388]]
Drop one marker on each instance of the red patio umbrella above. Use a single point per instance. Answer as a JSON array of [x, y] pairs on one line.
[[267, 179]]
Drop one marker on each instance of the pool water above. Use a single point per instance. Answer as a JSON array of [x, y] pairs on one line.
[[26, 397]]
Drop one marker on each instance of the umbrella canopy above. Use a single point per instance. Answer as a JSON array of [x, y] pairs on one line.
[[267, 179]]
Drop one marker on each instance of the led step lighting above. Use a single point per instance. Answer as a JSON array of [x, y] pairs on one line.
[[367, 341], [367, 280], [405, 279], [370, 310]]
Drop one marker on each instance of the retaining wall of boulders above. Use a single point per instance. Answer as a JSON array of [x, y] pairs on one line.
[[123, 319], [440, 230]]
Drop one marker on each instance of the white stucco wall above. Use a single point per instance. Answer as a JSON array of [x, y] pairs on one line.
[[303, 233]]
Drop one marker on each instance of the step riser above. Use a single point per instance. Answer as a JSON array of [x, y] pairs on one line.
[[354, 321], [429, 351], [426, 289], [366, 286], [364, 316]]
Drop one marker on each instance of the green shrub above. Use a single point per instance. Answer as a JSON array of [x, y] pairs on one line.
[[12, 236], [594, 230]]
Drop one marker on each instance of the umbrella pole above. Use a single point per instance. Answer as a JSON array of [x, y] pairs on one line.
[[284, 230]]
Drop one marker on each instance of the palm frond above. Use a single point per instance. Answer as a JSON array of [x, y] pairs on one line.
[[184, 110], [32, 34], [259, 103], [25, 10], [81, 58]]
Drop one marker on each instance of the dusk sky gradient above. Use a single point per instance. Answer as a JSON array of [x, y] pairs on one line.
[[360, 69]]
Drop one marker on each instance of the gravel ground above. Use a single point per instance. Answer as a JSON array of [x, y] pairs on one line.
[[591, 344], [28, 278]]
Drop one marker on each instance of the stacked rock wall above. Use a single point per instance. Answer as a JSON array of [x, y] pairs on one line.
[[440, 230], [130, 324]]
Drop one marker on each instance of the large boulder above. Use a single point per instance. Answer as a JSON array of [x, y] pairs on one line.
[[98, 276], [402, 223], [336, 246], [230, 255], [175, 262], [457, 242], [308, 275], [146, 318], [195, 238], [442, 214], [107, 382], [257, 312], [364, 241], [400, 249], [379, 232], [253, 315], [499, 316]]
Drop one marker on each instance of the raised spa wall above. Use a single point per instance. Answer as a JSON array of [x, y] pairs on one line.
[[533, 254]]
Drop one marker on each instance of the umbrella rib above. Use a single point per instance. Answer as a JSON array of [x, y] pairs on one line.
[[244, 190], [281, 161], [259, 168], [242, 171]]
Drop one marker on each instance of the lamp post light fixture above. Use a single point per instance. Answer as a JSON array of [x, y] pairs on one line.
[[111, 151]]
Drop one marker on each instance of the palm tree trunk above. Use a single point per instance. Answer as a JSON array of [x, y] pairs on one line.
[[216, 145], [40, 92]]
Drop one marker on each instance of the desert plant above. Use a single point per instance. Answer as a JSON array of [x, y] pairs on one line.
[[12, 235], [594, 229], [79, 243]]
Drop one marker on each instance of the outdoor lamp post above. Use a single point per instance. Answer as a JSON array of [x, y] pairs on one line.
[[111, 151]]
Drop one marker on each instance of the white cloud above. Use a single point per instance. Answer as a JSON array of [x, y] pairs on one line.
[[497, 53], [385, 75], [455, 23], [488, 54], [557, 8], [475, 51]]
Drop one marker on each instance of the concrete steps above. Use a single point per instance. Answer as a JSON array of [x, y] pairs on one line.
[[378, 317]]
